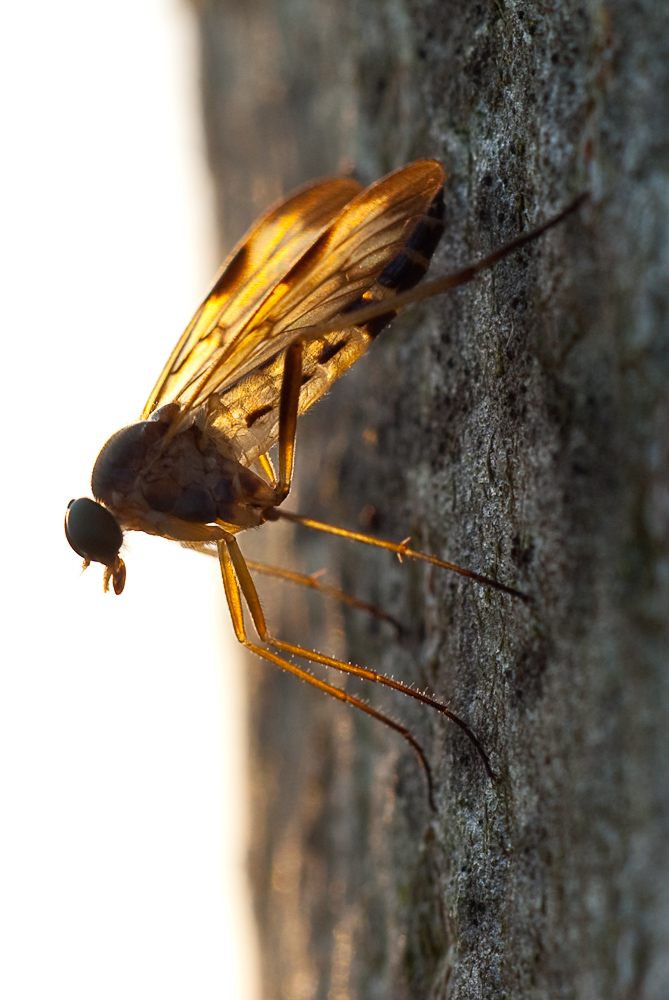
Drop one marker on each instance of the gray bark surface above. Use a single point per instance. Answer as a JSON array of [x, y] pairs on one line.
[[519, 427]]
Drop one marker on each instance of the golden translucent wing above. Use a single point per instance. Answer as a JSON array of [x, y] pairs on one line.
[[242, 384], [261, 259], [336, 270]]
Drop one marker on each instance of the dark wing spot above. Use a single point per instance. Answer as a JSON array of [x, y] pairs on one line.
[[330, 350], [257, 414], [233, 273]]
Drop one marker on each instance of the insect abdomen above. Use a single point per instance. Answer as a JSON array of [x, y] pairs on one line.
[[410, 265]]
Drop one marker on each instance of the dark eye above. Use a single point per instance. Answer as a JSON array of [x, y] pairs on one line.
[[92, 531]]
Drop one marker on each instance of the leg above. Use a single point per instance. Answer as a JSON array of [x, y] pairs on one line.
[[233, 596], [401, 549], [437, 286], [323, 588], [234, 568], [290, 398], [306, 581], [265, 463]]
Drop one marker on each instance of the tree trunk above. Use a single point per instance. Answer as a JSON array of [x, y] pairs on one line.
[[519, 427]]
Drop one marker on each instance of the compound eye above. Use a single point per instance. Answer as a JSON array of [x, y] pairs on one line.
[[92, 531]]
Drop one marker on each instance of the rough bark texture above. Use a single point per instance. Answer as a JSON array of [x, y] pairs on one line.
[[519, 427]]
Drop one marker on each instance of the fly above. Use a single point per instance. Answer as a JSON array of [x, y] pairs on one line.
[[300, 298]]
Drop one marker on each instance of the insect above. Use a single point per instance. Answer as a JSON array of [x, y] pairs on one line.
[[300, 298]]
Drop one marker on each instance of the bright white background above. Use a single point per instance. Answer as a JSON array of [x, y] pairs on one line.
[[122, 752]]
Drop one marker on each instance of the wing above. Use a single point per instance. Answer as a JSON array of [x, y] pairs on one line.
[[336, 270], [261, 259], [380, 244]]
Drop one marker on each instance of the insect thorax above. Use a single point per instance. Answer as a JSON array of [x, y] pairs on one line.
[[147, 478]]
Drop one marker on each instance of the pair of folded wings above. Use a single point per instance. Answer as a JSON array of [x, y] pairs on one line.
[[302, 263]]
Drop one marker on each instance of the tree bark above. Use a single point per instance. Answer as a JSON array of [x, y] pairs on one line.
[[519, 427]]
